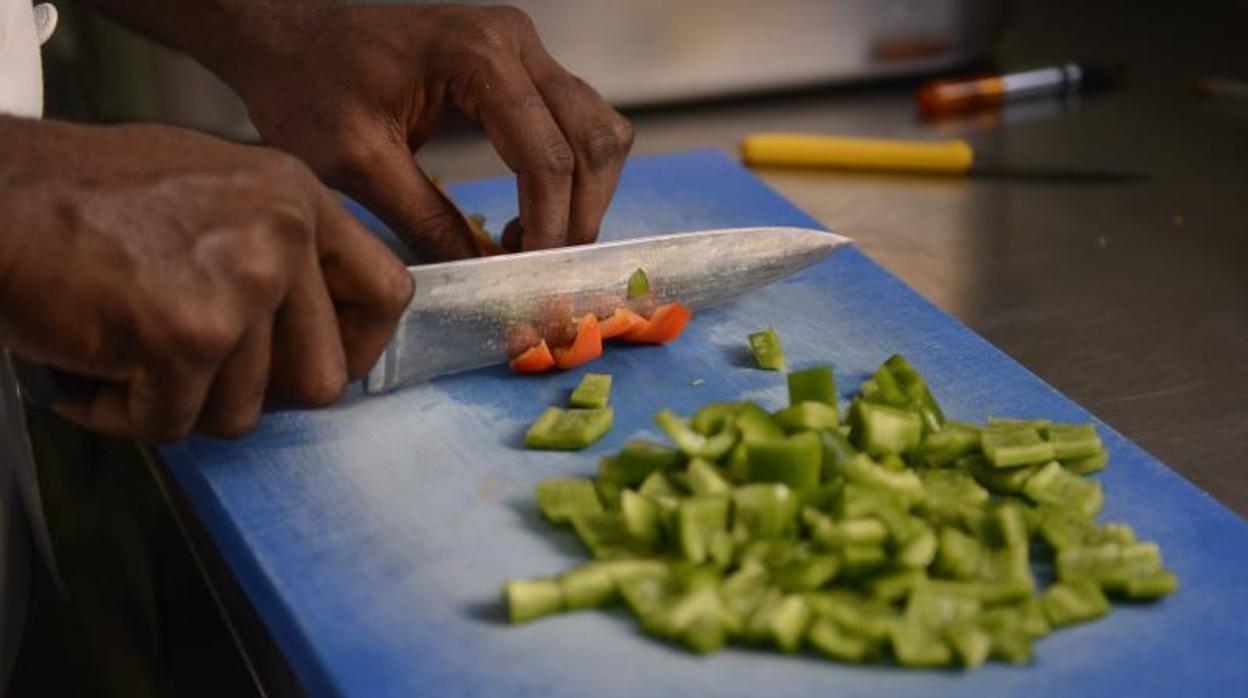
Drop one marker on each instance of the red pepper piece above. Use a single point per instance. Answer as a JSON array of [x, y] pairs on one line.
[[667, 323], [585, 348], [535, 359], [621, 322]]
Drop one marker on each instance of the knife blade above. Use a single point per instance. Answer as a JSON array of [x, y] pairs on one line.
[[471, 313]]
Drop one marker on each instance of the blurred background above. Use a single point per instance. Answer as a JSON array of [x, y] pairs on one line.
[[1130, 296]]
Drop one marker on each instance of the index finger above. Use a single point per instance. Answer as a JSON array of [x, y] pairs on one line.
[[369, 286]]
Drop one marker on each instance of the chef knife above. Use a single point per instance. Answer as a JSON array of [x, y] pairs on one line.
[[478, 312]]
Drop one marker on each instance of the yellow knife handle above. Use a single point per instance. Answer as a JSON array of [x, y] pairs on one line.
[[808, 150]]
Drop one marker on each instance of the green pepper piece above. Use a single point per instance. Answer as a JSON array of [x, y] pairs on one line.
[[712, 418], [997, 480], [958, 555], [764, 510], [857, 560], [782, 619], [1152, 586], [594, 390], [954, 441], [1053, 484], [918, 392], [637, 460], [1087, 465], [837, 451], [795, 461], [530, 599], [568, 430], [1007, 526], [641, 518], [863, 471], [588, 586], [1007, 423], [933, 609], [1008, 446], [605, 534], [657, 486], [1112, 565], [1067, 603], [868, 532], [895, 586], [705, 479], [638, 284], [807, 416], [690, 442], [827, 637], [755, 423], [918, 552], [880, 429], [767, 351], [562, 499], [807, 574], [970, 643], [1071, 441], [608, 494], [918, 646], [812, 384], [698, 519]]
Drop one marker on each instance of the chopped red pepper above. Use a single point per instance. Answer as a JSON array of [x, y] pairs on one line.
[[535, 359], [585, 348], [621, 322], [667, 323]]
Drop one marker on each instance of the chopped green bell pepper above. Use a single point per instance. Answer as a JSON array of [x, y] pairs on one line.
[[813, 385], [880, 429], [808, 416], [531, 599], [594, 390], [1006, 446], [637, 460], [767, 351], [638, 284], [796, 461], [562, 499], [568, 430]]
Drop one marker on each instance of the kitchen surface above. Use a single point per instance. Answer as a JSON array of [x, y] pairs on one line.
[[1104, 248]]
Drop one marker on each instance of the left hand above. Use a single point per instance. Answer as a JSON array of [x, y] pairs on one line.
[[366, 86]]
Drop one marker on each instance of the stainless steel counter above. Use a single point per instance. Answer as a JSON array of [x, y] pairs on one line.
[[1130, 298]]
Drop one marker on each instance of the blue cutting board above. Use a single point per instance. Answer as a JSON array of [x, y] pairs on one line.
[[372, 537]]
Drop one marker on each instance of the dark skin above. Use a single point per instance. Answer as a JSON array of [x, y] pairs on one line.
[[198, 279], [354, 91], [204, 280]]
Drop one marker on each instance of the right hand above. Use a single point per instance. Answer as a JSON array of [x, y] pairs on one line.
[[197, 279]]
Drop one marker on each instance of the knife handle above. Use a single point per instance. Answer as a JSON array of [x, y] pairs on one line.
[[44, 386], [811, 150]]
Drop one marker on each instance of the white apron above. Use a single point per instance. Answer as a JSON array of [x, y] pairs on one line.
[[22, 29]]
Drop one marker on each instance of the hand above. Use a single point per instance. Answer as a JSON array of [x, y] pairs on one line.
[[196, 278], [367, 85]]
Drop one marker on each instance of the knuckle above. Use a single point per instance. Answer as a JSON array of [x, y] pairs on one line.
[[558, 160], [398, 287], [605, 144], [200, 337], [624, 133], [258, 270]]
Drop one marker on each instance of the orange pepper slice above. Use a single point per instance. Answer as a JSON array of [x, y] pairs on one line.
[[622, 321], [585, 348], [667, 323], [535, 359]]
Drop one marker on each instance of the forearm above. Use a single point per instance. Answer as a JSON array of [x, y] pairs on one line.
[[227, 36]]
